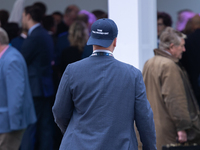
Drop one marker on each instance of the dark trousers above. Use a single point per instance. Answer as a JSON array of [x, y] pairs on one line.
[[39, 136]]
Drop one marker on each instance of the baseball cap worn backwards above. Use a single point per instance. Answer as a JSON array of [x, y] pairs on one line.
[[103, 32]]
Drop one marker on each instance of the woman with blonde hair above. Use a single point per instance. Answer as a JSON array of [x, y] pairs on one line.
[[78, 36]]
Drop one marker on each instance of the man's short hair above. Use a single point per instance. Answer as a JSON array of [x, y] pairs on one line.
[[167, 20], [42, 6], [12, 29], [100, 14], [4, 15], [169, 36], [35, 13], [3, 37], [57, 13]]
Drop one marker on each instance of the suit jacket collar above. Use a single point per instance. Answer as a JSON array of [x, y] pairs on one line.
[[7, 51], [4, 55], [164, 54], [33, 28]]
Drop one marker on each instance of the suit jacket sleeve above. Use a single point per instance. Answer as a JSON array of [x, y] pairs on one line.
[[63, 107], [29, 50], [15, 86], [144, 116]]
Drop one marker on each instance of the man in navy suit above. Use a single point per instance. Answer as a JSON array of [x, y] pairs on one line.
[[99, 99], [37, 50], [16, 103]]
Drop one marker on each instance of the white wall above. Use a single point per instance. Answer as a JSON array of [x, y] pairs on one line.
[[125, 15], [173, 6], [147, 30], [60, 5], [136, 21]]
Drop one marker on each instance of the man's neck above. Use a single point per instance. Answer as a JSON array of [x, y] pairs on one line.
[[32, 24], [102, 48]]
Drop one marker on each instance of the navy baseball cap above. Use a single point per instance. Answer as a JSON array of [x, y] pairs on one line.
[[103, 32]]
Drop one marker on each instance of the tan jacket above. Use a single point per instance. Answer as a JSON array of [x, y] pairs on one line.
[[171, 98]]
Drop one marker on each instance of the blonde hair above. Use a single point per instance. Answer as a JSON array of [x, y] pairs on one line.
[[4, 40], [78, 34], [169, 36]]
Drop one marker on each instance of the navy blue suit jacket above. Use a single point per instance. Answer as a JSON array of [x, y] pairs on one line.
[[17, 42], [37, 50], [16, 104], [97, 102]]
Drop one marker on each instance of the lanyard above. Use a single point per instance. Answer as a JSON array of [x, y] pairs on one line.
[[101, 54]]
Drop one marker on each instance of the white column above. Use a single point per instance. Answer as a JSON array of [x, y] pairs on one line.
[[136, 21]]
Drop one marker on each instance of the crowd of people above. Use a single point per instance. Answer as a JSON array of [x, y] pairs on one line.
[[34, 63], [48, 43]]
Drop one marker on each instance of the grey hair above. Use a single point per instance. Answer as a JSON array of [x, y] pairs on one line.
[[169, 36], [4, 40]]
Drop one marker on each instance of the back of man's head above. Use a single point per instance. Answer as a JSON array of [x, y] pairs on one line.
[[4, 15], [100, 14], [42, 6], [48, 22], [103, 33], [12, 29], [3, 37], [169, 36], [167, 21], [35, 13], [195, 22]]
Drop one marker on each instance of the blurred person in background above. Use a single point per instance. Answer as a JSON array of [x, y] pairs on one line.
[[37, 50], [188, 28], [190, 59], [91, 18], [42, 6], [83, 17], [78, 36], [49, 24], [12, 30], [70, 15], [192, 25], [163, 20], [176, 113], [58, 17], [16, 107], [182, 18], [100, 14], [18, 41], [62, 42], [4, 15], [88, 49]]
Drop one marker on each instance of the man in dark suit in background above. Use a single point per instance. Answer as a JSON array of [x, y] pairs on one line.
[[37, 50], [99, 98]]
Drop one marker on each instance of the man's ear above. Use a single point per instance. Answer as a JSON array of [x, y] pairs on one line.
[[171, 46], [28, 17], [115, 42]]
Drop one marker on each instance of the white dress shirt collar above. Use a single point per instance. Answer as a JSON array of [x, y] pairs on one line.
[[100, 50]]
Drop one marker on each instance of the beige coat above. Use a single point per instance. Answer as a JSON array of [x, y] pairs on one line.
[[171, 98]]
